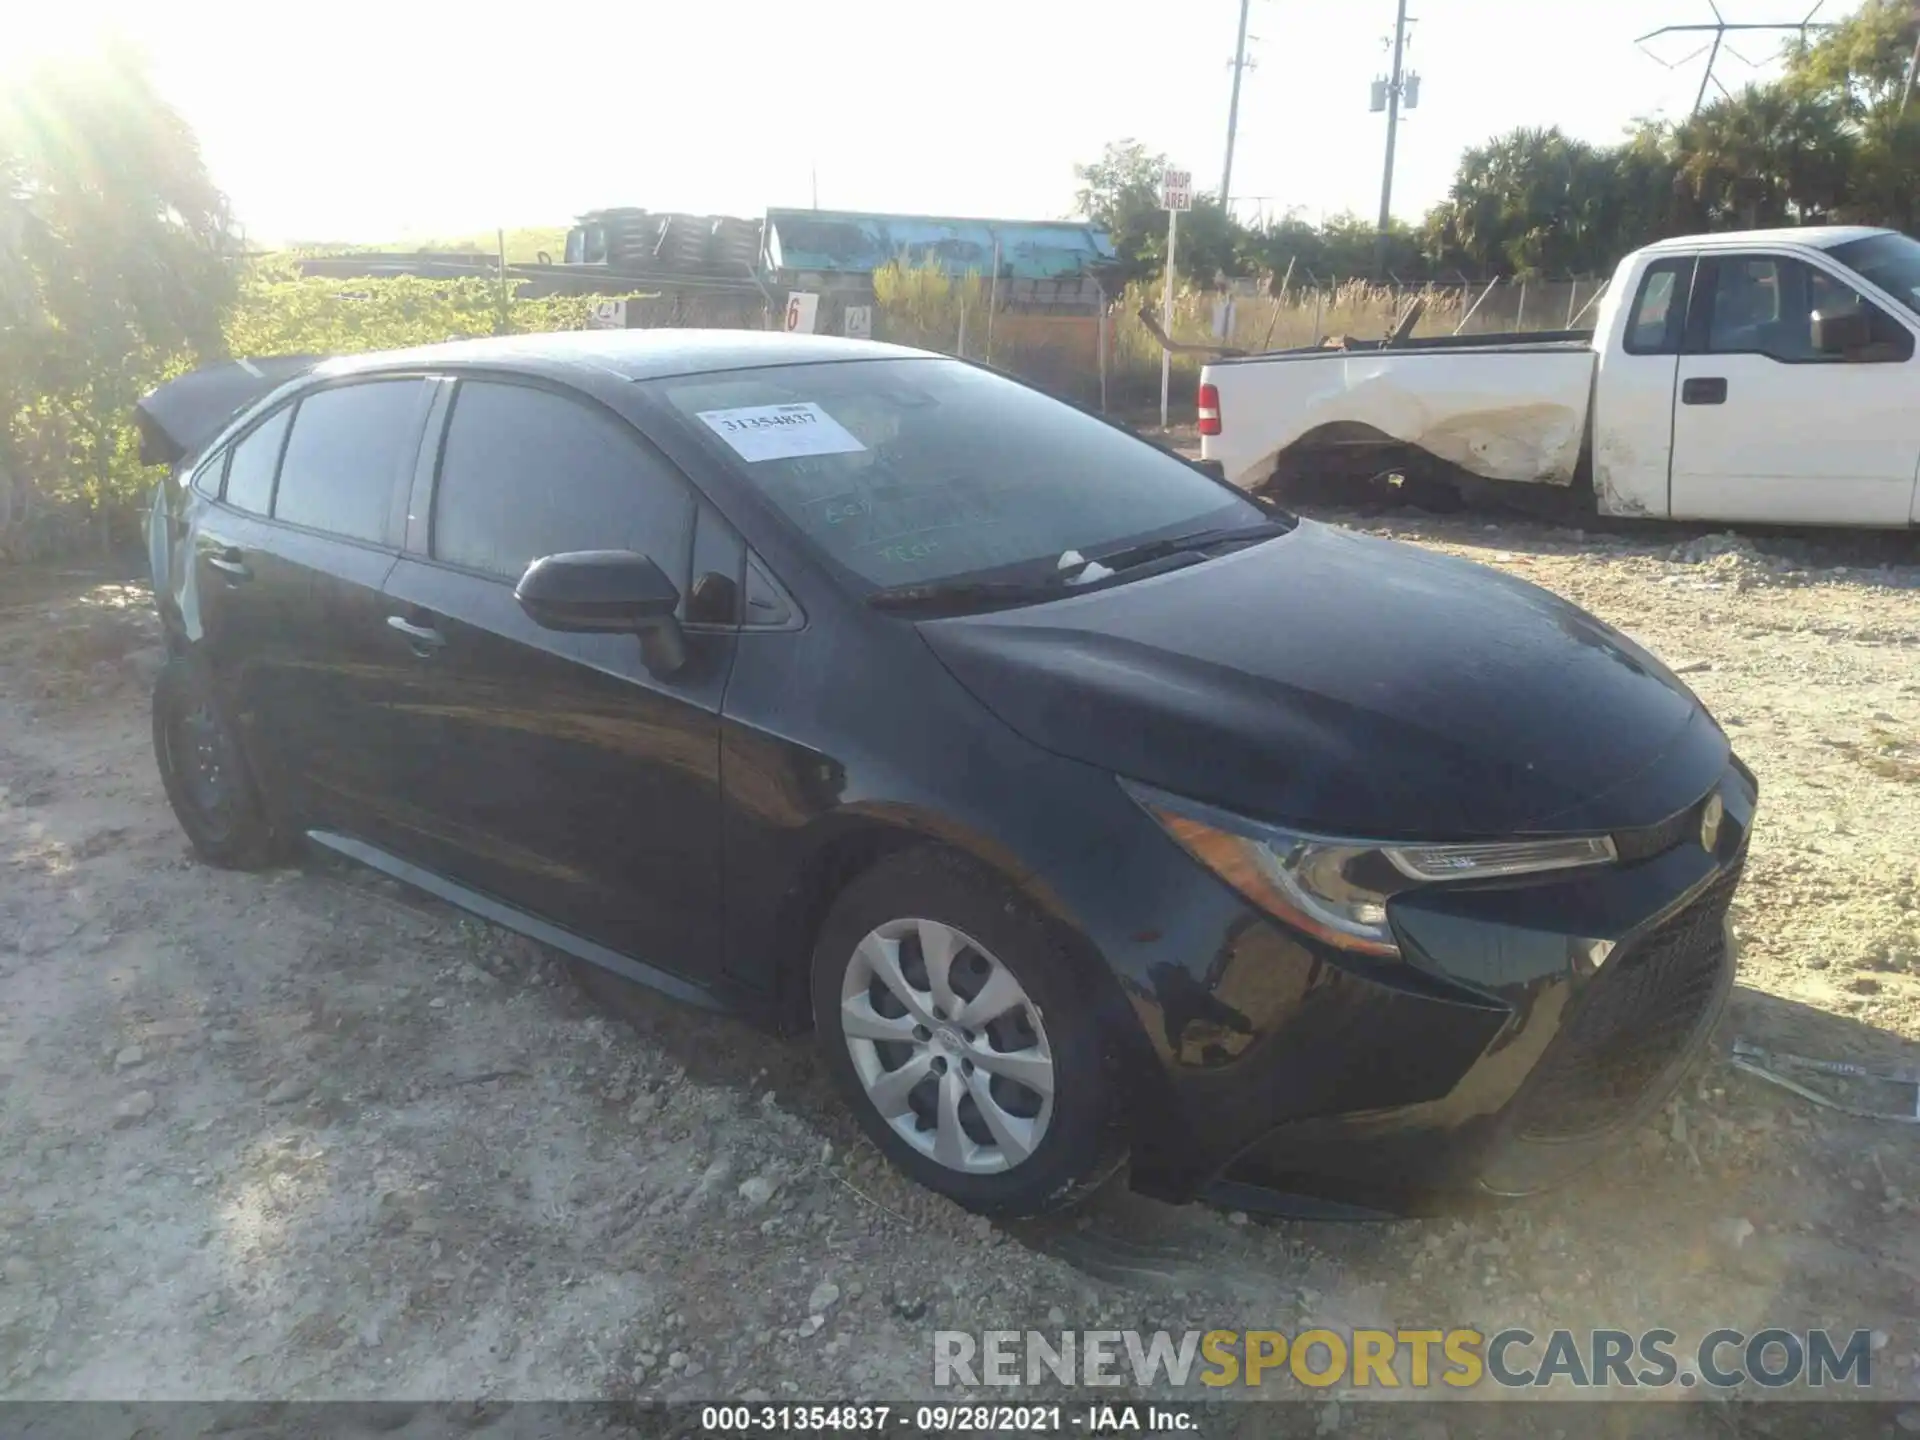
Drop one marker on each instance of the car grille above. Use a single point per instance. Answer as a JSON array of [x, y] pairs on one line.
[[1633, 1020]]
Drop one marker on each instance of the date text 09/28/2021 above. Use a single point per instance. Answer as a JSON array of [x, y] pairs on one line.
[[858, 1419]]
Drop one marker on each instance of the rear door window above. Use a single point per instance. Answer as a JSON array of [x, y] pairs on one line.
[[351, 445], [250, 470], [527, 472]]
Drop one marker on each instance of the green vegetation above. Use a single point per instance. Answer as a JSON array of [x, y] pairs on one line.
[[525, 244], [1824, 143], [117, 260]]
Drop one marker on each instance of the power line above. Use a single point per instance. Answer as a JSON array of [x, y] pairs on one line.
[[1720, 28]]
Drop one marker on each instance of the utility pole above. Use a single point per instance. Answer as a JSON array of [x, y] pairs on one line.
[[1233, 109], [1394, 87]]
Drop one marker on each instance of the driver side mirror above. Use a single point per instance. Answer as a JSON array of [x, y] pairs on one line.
[[607, 592], [1841, 332]]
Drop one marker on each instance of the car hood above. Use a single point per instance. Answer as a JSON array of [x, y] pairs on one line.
[[1352, 686]]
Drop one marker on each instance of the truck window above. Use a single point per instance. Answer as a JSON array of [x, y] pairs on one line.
[[1890, 261], [1764, 304], [1659, 310]]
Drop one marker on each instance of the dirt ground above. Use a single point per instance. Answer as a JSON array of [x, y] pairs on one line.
[[309, 1135]]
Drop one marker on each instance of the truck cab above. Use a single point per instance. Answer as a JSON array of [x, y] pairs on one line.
[[1766, 376]]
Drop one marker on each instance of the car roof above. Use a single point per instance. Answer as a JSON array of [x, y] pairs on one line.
[[628, 354], [1818, 237]]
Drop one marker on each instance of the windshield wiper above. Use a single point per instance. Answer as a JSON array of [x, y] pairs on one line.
[[1151, 550], [966, 595]]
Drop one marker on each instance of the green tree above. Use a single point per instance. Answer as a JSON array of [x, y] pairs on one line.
[[1861, 63], [116, 254], [1860, 66], [1530, 202], [1121, 191], [1771, 155]]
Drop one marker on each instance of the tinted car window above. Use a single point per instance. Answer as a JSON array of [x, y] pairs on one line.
[[527, 473], [1763, 305], [349, 447], [206, 479], [250, 470], [1890, 261], [909, 471]]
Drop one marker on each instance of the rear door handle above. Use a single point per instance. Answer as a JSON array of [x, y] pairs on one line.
[[1704, 390], [228, 562], [424, 638]]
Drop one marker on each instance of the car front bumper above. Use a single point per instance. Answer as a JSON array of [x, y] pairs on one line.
[[1526, 1028]]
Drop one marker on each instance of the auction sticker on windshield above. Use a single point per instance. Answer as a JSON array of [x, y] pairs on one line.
[[781, 432]]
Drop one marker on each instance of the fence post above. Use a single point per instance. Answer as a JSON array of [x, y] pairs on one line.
[[1520, 312], [993, 296], [963, 327], [1573, 294], [1100, 342], [1319, 300]]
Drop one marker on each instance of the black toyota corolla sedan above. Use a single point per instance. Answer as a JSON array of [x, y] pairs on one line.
[[1087, 809]]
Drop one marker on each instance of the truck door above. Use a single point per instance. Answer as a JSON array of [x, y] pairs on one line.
[[1632, 421], [1767, 428]]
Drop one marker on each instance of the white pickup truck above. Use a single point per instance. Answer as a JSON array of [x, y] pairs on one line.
[[1768, 375]]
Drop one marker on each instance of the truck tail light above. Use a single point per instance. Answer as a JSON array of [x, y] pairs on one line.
[[1209, 410]]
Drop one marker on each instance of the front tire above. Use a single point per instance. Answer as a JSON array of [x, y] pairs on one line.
[[205, 773], [949, 1017]]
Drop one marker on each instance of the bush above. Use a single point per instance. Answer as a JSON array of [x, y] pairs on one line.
[[78, 480]]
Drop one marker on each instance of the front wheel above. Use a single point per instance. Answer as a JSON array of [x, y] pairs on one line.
[[949, 1017]]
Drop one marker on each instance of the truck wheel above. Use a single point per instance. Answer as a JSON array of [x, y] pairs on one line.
[[949, 1018], [205, 772]]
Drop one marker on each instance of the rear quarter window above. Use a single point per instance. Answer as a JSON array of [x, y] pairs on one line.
[[1658, 318], [253, 461]]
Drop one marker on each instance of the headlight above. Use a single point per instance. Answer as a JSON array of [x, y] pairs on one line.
[[1338, 890]]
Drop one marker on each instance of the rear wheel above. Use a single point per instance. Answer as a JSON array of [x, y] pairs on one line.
[[948, 1016], [205, 773]]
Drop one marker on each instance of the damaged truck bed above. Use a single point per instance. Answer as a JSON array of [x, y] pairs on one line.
[[1765, 376]]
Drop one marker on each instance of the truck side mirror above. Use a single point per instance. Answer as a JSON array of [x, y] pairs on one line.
[[1841, 332]]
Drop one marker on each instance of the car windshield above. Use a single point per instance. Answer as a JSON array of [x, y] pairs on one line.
[[1890, 261], [910, 472]]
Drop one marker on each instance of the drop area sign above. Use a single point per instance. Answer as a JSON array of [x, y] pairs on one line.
[[1176, 189]]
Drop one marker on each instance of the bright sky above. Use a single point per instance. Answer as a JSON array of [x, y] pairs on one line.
[[357, 121]]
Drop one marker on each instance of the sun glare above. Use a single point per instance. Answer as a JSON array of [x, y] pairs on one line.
[[39, 34]]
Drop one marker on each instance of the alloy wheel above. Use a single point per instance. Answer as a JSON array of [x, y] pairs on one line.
[[948, 1046]]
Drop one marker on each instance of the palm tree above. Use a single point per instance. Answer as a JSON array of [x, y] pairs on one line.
[[1771, 155]]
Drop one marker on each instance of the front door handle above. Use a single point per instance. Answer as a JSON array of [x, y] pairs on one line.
[[228, 562], [1704, 390], [424, 638]]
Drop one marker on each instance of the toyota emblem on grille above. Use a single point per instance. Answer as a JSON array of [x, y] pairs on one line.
[[1710, 817]]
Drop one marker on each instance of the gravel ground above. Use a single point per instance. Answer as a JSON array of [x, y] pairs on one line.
[[309, 1135]]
